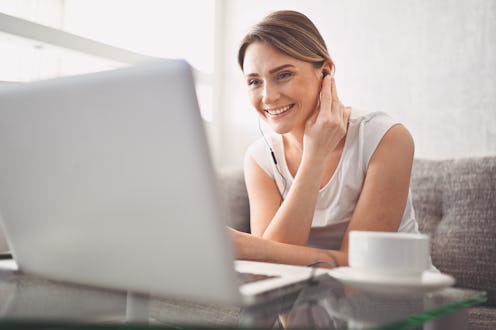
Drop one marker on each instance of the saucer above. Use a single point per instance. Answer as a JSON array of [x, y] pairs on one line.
[[430, 281]]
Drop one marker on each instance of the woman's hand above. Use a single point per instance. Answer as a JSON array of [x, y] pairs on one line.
[[236, 240], [327, 125]]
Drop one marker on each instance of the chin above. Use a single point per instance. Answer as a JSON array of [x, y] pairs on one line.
[[280, 129]]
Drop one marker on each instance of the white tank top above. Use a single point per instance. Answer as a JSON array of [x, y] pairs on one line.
[[338, 198]]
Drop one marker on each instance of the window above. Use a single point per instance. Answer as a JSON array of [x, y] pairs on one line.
[[51, 38]]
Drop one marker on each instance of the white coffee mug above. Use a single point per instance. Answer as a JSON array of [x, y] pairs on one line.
[[389, 254]]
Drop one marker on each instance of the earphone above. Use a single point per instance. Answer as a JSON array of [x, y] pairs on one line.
[[267, 142], [273, 155], [325, 73]]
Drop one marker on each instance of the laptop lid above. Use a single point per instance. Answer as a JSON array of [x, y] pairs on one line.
[[106, 179]]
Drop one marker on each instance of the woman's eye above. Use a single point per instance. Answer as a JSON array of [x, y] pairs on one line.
[[253, 82], [284, 75]]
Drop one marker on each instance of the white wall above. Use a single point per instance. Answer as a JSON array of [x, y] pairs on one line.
[[430, 64]]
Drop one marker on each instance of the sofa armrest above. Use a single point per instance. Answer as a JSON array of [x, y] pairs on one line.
[[455, 202]]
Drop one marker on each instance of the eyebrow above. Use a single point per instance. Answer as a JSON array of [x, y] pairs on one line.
[[284, 66]]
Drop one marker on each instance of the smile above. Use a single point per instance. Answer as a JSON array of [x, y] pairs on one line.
[[278, 111]]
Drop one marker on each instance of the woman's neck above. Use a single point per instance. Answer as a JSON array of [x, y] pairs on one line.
[[293, 142], [293, 147]]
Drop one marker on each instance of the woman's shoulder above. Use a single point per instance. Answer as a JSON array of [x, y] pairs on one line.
[[371, 125], [256, 147], [260, 152], [263, 145], [374, 118], [370, 129]]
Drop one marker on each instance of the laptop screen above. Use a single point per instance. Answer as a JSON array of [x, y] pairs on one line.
[[106, 179]]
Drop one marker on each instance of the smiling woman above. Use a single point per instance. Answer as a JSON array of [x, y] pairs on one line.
[[269, 81], [327, 169]]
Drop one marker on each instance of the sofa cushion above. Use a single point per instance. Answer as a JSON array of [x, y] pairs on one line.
[[455, 202], [481, 318], [236, 198]]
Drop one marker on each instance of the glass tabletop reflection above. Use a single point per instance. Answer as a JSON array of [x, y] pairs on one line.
[[27, 299]]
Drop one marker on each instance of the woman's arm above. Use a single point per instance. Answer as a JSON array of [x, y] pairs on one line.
[[250, 247], [287, 221], [379, 208], [383, 198]]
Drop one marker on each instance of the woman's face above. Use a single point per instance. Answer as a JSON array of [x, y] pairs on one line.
[[282, 89]]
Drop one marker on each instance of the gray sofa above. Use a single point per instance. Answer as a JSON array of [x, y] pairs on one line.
[[455, 202]]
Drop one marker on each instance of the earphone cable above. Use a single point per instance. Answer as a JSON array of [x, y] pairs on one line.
[[274, 159]]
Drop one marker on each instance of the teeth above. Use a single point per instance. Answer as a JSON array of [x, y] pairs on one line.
[[278, 111]]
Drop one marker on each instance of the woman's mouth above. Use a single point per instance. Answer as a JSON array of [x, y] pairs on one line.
[[277, 112]]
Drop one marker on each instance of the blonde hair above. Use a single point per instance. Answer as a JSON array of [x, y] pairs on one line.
[[291, 33]]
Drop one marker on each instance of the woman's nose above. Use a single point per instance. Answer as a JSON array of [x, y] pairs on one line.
[[270, 94]]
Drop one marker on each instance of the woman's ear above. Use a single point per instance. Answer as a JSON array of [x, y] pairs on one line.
[[327, 69]]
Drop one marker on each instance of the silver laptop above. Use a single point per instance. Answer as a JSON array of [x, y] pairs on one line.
[[106, 179]]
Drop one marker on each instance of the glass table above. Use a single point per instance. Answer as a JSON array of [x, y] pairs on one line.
[[30, 301]]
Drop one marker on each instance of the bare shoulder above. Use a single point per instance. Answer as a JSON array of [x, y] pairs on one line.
[[398, 136], [254, 172], [396, 145]]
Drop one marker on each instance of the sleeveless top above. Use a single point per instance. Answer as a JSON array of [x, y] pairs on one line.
[[337, 200]]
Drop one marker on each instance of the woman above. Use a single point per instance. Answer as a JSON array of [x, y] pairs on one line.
[[327, 169]]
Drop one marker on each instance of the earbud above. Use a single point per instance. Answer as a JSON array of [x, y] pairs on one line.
[[324, 73]]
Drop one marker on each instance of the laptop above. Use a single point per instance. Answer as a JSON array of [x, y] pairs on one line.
[[106, 179]]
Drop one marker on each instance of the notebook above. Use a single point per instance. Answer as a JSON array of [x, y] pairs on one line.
[[106, 179]]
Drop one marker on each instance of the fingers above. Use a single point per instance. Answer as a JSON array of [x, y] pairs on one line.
[[329, 100], [324, 101], [337, 107], [331, 108], [326, 91], [334, 93], [346, 115], [313, 117]]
